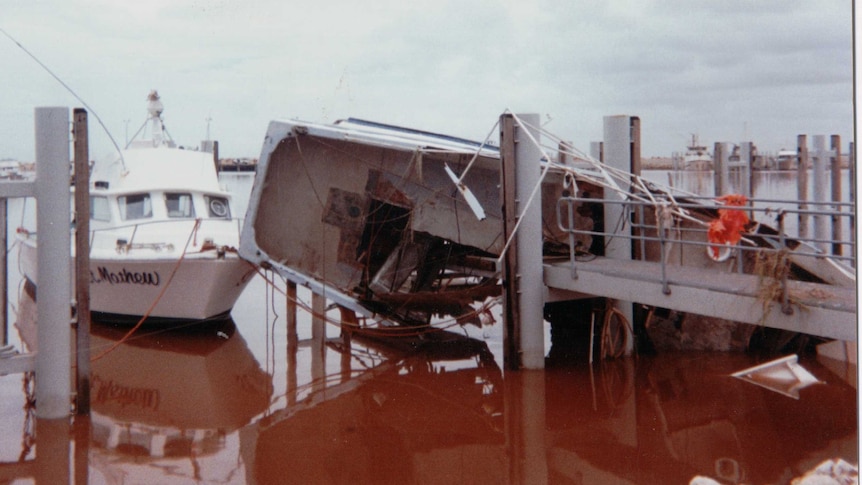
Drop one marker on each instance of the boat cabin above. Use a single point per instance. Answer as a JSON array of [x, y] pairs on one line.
[[157, 205]]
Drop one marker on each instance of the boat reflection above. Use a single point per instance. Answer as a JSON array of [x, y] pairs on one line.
[[165, 398], [173, 392], [410, 415]]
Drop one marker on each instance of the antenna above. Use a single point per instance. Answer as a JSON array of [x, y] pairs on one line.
[[91, 110]]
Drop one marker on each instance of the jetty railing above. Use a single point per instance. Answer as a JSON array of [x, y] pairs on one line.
[[656, 235]]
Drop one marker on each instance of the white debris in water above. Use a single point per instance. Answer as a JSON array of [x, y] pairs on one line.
[[830, 472], [699, 480]]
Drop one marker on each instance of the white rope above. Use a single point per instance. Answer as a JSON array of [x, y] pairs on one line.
[[478, 150]]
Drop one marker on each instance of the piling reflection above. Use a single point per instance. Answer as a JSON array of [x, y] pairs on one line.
[[410, 416]]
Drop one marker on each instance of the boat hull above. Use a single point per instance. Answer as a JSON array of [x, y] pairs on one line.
[[202, 286]]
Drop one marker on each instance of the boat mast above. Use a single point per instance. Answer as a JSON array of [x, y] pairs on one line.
[[154, 110]]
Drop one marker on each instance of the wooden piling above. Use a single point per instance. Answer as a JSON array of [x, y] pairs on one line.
[[719, 162], [4, 272], [802, 183], [318, 341], [852, 195], [835, 167], [82, 259], [511, 310], [292, 343]]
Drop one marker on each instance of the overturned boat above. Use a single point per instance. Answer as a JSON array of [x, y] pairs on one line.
[[407, 226], [368, 215]]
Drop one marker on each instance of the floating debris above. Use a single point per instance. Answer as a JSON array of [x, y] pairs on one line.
[[784, 376]]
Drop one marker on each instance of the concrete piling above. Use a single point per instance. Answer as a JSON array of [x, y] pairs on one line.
[[621, 151], [53, 372], [819, 189], [524, 295]]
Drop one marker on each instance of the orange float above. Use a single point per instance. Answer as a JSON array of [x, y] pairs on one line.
[[727, 230]]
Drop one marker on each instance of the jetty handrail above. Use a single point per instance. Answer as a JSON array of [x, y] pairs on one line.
[[675, 233]]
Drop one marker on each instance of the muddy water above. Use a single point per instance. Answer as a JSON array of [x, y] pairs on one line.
[[230, 402], [233, 402]]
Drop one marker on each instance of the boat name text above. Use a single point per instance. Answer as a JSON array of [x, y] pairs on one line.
[[107, 391], [125, 276]]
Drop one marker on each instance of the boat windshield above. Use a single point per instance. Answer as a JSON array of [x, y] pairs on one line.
[[179, 205], [137, 206]]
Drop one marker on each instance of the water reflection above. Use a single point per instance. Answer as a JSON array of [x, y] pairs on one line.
[[410, 416], [173, 393], [162, 396], [195, 406]]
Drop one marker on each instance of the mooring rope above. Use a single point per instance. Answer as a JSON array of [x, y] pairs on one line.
[[158, 298]]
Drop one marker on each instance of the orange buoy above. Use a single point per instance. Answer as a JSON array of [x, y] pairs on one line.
[[727, 229]]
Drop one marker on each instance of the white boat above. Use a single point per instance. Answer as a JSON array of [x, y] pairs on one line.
[[696, 156], [162, 235]]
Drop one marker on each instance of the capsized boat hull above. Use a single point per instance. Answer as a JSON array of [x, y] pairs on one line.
[[202, 286]]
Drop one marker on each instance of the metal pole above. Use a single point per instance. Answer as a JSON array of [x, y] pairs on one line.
[[836, 194], [802, 183], [53, 359], [82, 258]]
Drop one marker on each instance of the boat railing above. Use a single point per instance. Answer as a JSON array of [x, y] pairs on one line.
[[131, 240], [655, 235]]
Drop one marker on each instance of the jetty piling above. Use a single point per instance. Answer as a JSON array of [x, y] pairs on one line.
[[53, 373], [621, 151], [82, 261], [522, 222], [721, 179], [819, 180], [835, 167], [802, 161]]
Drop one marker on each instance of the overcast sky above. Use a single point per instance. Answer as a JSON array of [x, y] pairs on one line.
[[728, 70]]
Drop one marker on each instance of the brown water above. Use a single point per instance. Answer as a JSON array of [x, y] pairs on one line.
[[229, 403], [232, 402]]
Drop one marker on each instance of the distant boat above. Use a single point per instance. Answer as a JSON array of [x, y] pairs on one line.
[[786, 160], [696, 156], [162, 235]]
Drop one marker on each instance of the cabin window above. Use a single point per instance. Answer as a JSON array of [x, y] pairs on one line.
[[218, 207], [179, 205], [136, 206], [99, 209]]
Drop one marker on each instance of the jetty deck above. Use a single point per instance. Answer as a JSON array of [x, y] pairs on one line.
[[813, 308]]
